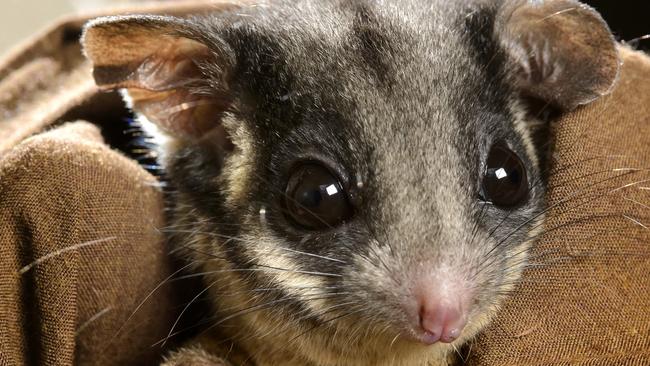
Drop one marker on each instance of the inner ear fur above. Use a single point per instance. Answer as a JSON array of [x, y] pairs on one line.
[[160, 66], [561, 51]]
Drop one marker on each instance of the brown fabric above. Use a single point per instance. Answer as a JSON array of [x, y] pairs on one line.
[[78, 252], [63, 189], [589, 303]]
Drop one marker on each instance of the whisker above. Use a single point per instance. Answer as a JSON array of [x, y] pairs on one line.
[[328, 310], [222, 236], [249, 270], [457, 352], [92, 319], [61, 251], [630, 185], [485, 263], [178, 318], [570, 197], [557, 13], [146, 298], [637, 202], [312, 255], [637, 222], [634, 42], [280, 327], [213, 256], [251, 309], [392, 343], [290, 341]]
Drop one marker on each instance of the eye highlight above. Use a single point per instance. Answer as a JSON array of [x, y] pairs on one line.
[[315, 198], [505, 182]]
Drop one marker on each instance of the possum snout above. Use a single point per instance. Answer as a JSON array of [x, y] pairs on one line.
[[438, 304]]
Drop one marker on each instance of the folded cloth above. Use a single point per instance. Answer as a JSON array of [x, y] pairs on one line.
[[79, 250], [84, 269]]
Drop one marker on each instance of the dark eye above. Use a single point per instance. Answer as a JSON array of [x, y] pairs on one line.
[[315, 198], [505, 183]]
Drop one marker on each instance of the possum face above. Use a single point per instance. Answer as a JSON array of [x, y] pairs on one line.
[[373, 165]]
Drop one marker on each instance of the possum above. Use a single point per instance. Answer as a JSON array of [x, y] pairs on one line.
[[357, 182]]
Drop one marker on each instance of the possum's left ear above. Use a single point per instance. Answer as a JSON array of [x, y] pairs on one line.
[[562, 51], [163, 68]]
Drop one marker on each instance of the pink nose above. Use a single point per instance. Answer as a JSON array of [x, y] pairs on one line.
[[441, 321], [442, 312]]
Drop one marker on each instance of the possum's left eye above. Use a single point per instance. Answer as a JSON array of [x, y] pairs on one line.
[[315, 198], [504, 182]]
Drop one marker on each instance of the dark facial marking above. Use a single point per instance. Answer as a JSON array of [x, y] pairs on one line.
[[374, 45]]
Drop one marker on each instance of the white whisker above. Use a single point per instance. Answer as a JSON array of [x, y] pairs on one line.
[[630, 185], [61, 251], [92, 319], [312, 255], [557, 13], [637, 202], [636, 222]]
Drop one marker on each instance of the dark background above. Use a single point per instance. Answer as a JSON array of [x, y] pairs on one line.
[[627, 19]]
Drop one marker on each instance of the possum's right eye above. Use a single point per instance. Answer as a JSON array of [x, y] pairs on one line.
[[315, 198]]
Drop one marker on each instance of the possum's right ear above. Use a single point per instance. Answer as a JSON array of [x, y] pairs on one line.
[[562, 51], [164, 69]]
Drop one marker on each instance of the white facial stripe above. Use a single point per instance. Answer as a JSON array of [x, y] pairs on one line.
[[286, 273], [522, 124], [238, 166]]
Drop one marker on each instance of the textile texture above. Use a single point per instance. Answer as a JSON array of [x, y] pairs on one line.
[[84, 268]]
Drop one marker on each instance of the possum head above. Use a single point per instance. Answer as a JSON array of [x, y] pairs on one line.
[[371, 164]]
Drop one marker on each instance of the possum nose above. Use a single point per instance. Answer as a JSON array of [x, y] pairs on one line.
[[441, 322], [442, 317]]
